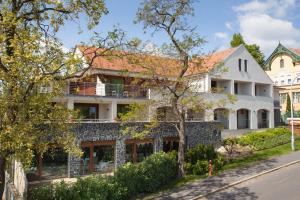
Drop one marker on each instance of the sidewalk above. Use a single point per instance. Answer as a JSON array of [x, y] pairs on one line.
[[207, 185]]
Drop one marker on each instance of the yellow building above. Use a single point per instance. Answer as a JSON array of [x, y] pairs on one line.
[[284, 69]]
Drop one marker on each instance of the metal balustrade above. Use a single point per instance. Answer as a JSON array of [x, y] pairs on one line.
[[107, 90]]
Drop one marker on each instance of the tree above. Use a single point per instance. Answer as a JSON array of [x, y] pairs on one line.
[[170, 76], [237, 40], [288, 106], [254, 49], [33, 70]]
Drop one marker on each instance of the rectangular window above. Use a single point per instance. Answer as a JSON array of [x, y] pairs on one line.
[[282, 97], [281, 63], [289, 81], [282, 82], [87, 111], [298, 80], [296, 97], [240, 64], [236, 91], [246, 65]]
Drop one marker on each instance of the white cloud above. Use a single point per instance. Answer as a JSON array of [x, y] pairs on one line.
[[229, 26], [264, 23], [278, 8], [221, 35]]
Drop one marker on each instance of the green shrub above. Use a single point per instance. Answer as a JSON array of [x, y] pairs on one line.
[[201, 167], [197, 160], [266, 139], [149, 175], [218, 162], [128, 181], [200, 152], [94, 187]]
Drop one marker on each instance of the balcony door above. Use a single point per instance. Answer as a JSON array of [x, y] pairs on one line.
[[116, 87]]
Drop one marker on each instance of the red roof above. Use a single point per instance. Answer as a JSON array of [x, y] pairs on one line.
[[142, 63], [296, 51]]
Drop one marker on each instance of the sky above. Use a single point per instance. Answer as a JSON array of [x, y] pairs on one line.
[[264, 22]]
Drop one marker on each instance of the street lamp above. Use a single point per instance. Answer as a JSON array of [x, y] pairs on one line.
[[292, 113]]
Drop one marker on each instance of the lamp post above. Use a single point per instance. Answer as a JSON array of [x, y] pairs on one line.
[[292, 113]]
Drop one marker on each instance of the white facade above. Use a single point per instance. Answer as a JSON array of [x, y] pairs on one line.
[[242, 77], [252, 87]]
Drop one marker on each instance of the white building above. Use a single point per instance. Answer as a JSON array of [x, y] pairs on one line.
[[243, 77], [106, 91]]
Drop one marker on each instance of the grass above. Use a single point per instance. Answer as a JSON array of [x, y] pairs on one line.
[[242, 162], [261, 155]]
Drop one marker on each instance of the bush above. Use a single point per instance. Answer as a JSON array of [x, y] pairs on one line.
[[149, 175], [129, 180], [266, 139], [88, 188], [197, 160], [201, 167], [200, 152]]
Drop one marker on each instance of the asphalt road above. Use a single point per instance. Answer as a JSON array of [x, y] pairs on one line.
[[283, 184]]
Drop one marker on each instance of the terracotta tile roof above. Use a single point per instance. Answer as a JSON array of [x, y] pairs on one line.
[[208, 62], [296, 51], [143, 63]]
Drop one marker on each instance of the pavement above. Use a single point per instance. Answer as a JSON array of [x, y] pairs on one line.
[[278, 185], [202, 187]]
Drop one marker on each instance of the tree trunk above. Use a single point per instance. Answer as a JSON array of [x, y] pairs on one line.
[[2, 176], [181, 148]]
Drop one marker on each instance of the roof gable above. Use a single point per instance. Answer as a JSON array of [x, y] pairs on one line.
[[280, 49]]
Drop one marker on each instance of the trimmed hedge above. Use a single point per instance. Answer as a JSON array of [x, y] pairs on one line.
[[266, 139], [129, 180]]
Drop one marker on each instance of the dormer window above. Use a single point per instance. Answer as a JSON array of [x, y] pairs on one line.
[[281, 63]]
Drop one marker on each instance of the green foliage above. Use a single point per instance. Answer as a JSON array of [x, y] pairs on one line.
[[237, 40], [266, 139], [197, 159], [129, 180], [149, 175], [200, 152], [33, 69], [254, 49], [201, 167], [89, 188]]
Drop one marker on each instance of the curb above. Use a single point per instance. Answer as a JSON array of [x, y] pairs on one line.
[[244, 180]]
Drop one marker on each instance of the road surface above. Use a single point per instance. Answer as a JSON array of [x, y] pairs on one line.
[[283, 184]]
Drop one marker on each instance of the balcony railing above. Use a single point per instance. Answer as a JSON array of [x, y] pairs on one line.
[[107, 90]]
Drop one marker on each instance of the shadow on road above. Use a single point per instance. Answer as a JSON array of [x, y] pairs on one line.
[[234, 194]]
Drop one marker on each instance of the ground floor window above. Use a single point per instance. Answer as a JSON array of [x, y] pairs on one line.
[[98, 156], [138, 150], [51, 165], [170, 144]]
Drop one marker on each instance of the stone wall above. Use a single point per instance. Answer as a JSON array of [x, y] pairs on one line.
[[196, 133]]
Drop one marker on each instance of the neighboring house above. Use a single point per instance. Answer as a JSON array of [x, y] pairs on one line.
[[284, 69], [234, 71]]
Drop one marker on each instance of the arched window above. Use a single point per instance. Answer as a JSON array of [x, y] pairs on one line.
[[281, 63]]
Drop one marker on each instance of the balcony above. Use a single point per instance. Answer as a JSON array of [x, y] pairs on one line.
[[107, 90]]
